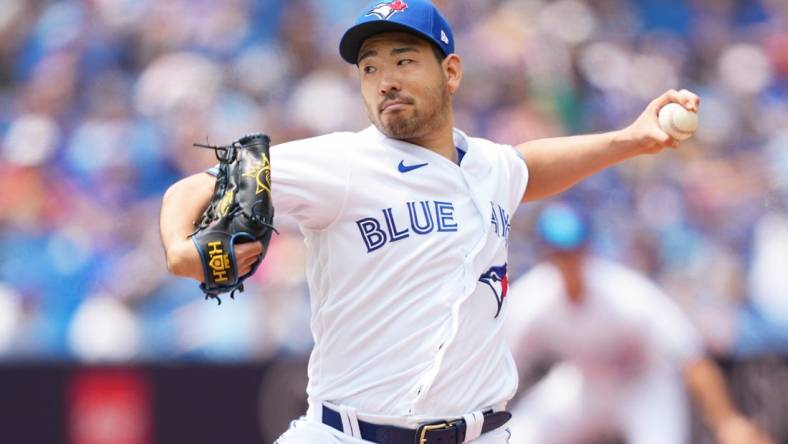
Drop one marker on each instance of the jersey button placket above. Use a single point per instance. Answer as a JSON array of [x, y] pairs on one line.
[[445, 339], [481, 204]]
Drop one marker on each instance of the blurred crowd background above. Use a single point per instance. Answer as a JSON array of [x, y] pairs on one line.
[[101, 100]]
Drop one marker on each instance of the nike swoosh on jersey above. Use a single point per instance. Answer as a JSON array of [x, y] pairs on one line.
[[406, 168]]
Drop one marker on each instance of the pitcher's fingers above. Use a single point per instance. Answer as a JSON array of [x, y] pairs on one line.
[[689, 100], [660, 136], [248, 250], [685, 98], [668, 97], [248, 262]]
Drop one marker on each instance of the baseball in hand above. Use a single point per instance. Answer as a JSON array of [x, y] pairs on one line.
[[679, 122]]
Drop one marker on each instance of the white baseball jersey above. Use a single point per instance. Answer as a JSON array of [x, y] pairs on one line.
[[624, 326], [406, 264]]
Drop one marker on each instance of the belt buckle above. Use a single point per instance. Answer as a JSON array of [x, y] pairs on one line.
[[443, 425]]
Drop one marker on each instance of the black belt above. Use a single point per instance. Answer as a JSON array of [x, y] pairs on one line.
[[441, 432]]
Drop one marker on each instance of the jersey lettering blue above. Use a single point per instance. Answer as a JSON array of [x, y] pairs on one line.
[[500, 221], [427, 225], [444, 212], [424, 217], [394, 234]]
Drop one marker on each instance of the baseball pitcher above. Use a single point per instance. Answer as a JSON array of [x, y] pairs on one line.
[[406, 225]]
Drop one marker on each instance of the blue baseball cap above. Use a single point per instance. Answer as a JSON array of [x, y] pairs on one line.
[[418, 17], [562, 227]]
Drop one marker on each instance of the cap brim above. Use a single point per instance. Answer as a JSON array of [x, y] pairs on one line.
[[351, 42]]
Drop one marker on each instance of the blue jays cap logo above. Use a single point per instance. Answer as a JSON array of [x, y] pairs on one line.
[[386, 9], [496, 279]]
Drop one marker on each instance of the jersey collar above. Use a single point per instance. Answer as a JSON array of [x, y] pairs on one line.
[[472, 163]]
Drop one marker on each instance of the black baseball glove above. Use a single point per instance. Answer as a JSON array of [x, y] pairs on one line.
[[240, 211]]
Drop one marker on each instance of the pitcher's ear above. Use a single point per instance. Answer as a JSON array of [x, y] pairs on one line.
[[452, 69]]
